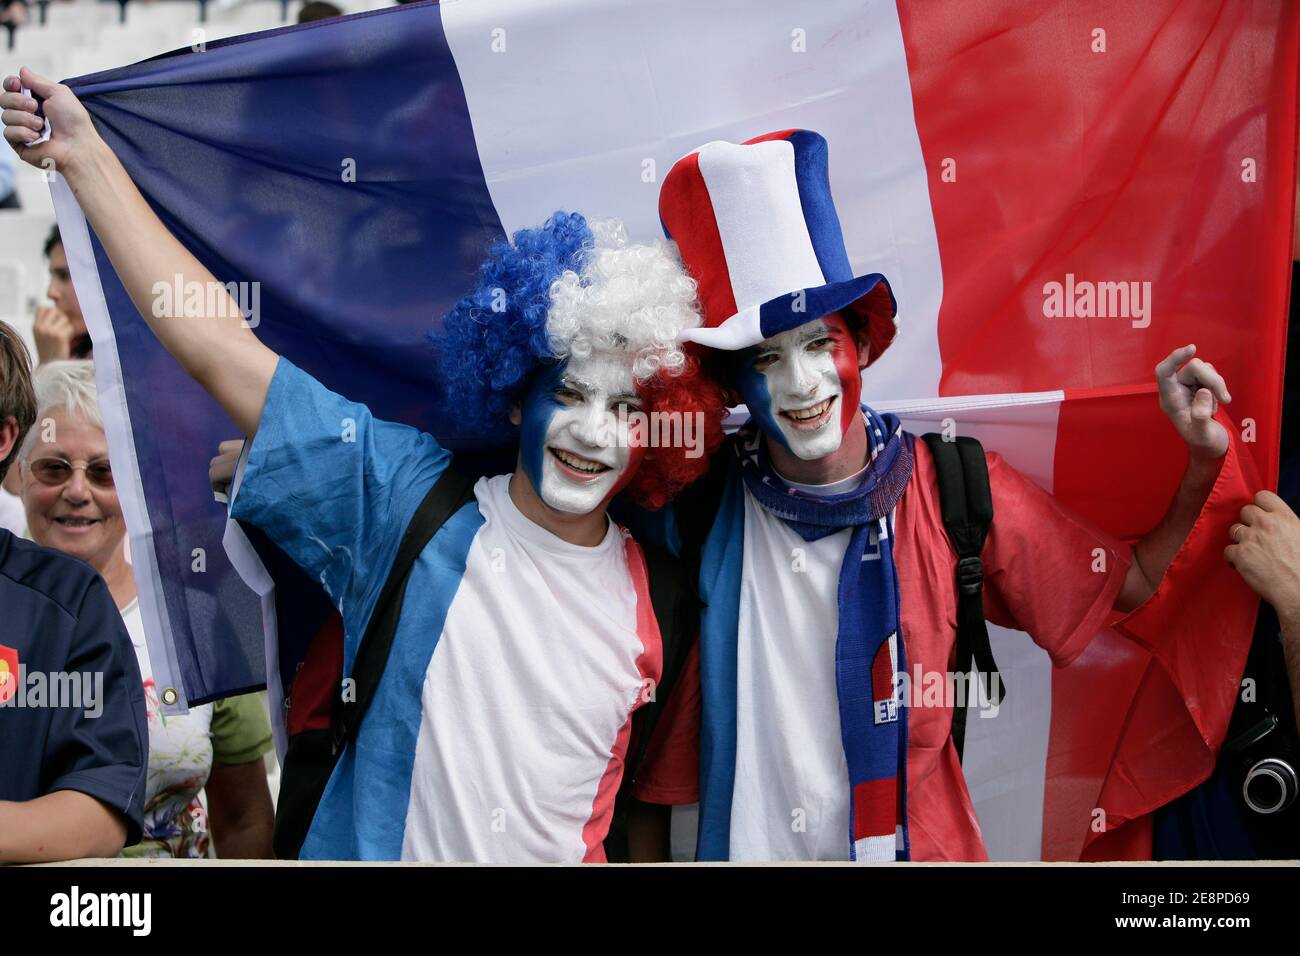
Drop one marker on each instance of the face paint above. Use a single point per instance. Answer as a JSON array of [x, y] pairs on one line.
[[803, 387], [575, 450]]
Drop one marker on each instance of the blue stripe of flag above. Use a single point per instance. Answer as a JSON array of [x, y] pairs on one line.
[[244, 150]]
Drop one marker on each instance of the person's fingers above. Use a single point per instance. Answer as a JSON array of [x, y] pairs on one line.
[[41, 86], [20, 135], [1235, 533], [1267, 501], [1215, 383], [1169, 364], [231, 446], [1192, 374], [17, 101], [221, 471], [1251, 514], [16, 117], [13, 84], [1203, 406], [51, 320], [1201, 374]]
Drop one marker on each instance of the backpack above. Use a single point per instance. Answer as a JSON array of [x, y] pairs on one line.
[[325, 723], [966, 504]]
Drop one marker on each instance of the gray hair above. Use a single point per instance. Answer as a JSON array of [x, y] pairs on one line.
[[64, 386]]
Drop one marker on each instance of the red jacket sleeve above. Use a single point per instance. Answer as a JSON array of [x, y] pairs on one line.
[[1048, 572], [670, 772]]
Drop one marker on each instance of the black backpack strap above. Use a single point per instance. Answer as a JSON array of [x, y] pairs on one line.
[[312, 754], [445, 498], [966, 504]]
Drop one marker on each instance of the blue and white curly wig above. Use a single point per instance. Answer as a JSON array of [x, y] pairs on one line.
[[570, 287]]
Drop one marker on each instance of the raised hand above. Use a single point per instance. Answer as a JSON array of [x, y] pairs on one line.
[[53, 332], [73, 133], [1190, 390]]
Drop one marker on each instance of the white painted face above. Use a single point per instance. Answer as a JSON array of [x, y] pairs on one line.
[[575, 450], [794, 385]]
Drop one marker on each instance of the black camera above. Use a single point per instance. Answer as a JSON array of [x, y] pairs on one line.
[[1268, 756]]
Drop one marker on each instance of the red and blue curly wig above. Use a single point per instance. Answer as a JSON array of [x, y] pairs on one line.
[[571, 287]]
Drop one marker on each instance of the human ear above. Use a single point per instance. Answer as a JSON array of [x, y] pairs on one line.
[[516, 414], [862, 339], [864, 355], [8, 435]]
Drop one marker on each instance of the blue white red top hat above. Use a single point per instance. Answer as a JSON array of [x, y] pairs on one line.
[[758, 231]]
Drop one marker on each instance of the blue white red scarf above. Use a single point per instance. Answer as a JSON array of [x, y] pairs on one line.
[[868, 649]]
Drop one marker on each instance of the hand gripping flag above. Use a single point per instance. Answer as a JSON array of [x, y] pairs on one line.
[[1059, 198]]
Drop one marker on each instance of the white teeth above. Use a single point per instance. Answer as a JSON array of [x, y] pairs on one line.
[[807, 414], [579, 464]]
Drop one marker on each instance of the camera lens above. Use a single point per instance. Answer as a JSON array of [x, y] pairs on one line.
[[1271, 786]]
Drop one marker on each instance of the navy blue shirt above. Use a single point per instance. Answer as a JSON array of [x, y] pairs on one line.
[[73, 715]]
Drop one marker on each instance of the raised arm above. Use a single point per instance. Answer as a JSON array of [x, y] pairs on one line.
[[1190, 393], [219, 351]]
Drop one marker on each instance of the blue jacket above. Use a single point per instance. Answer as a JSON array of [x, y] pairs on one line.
[[73, 716]]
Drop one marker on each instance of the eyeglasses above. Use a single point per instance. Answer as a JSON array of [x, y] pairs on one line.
[[58, 471]]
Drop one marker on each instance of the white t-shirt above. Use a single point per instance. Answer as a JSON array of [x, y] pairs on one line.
[[791, 797], [528, 697]]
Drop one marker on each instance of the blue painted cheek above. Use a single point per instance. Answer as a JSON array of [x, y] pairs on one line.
[[753, 389], [539, 407]]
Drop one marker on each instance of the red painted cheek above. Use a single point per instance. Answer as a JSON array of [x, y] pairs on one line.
[[635, 455], [638, 441], [846, 364]]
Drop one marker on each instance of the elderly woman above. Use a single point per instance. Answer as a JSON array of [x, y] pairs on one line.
[[72, 505], [74, 771]]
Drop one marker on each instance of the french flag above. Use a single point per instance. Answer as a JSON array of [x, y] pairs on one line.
[[1059, 193]]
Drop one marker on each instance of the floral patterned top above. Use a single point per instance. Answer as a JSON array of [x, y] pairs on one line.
[[182, 750]]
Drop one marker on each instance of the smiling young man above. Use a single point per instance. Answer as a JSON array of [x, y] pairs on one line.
[[527, 636], [823, 558]]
